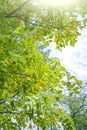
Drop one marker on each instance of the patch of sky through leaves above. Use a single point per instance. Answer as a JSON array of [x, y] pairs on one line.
[[73, 58]]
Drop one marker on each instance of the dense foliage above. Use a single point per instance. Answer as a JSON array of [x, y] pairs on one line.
[[31, 83]]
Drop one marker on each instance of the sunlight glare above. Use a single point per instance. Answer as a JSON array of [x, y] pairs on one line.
[[58, 2]]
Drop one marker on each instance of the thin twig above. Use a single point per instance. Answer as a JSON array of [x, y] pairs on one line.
[[83, 105], [18, 8]]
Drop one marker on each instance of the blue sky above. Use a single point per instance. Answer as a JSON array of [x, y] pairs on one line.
[[74, 58]]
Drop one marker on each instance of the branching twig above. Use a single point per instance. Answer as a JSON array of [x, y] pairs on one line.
[[83, 105], [18, 8], [9, 112], [4, 100], [14, 16]]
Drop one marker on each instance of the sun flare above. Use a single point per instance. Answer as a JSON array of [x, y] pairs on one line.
[[58, 2]]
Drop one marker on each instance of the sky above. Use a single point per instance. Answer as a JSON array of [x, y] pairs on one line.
[[74, 58]]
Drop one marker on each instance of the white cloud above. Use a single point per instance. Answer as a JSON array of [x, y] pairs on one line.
[[74, 58]]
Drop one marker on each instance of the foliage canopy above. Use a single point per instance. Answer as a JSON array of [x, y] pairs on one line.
[[31, 83]]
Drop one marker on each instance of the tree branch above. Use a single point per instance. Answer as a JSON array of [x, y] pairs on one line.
[[13, 112], [14, 16], [4, 100], [18, 8], [73, 116], [10, 112]]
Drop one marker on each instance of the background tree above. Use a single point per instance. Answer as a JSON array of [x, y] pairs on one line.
[[76, 104]]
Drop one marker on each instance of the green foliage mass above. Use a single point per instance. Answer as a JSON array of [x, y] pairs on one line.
[[31, 83]]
